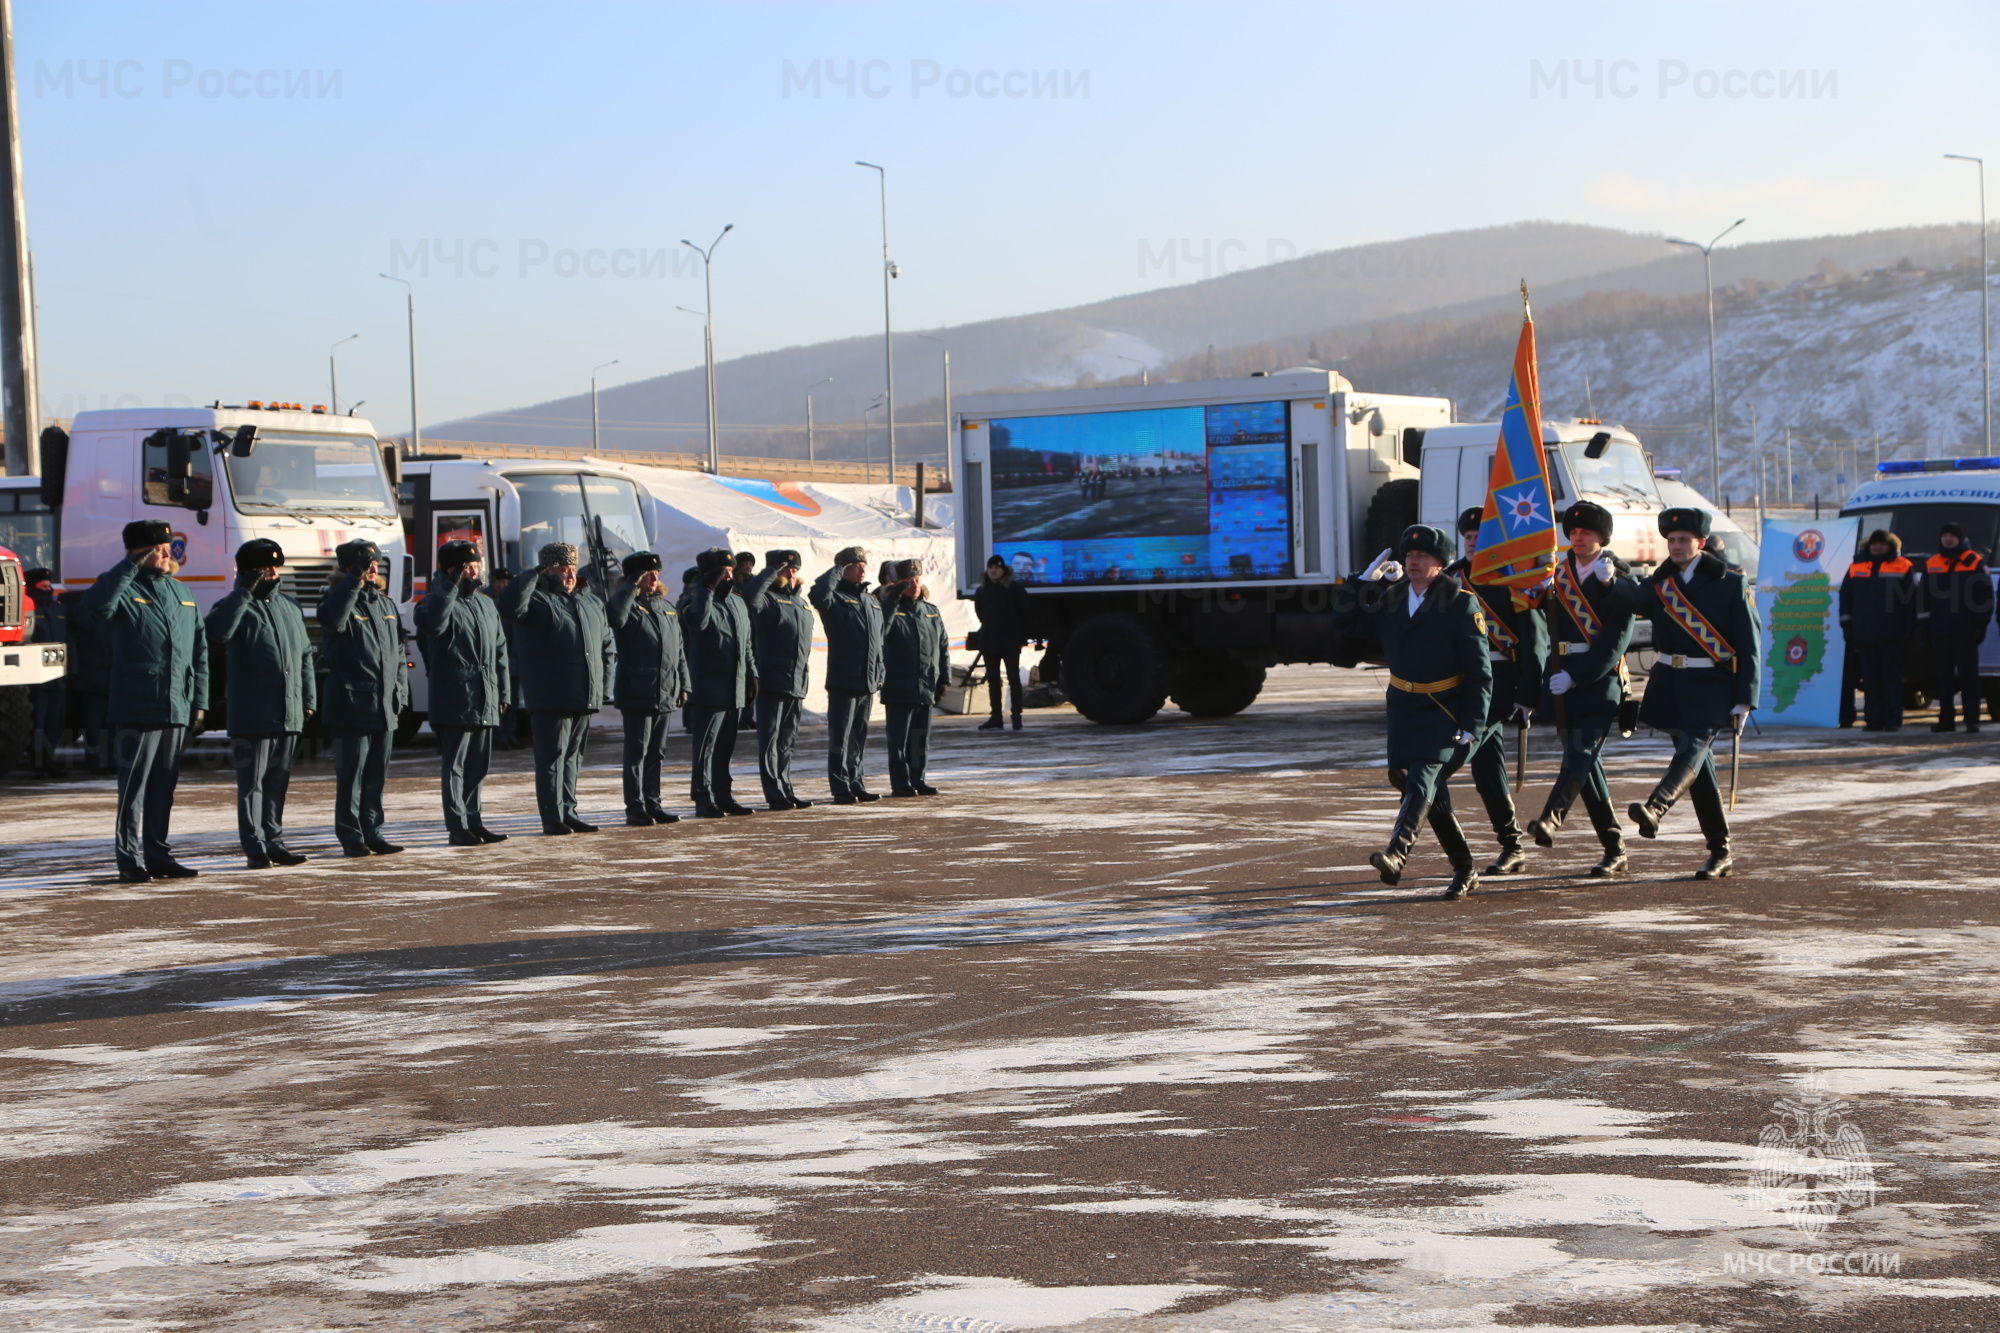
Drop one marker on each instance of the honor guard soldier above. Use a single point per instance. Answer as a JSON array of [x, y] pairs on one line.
[[916, 658], [722, 680], [260, 634], [853, 623], [1440, 686], [465, 658], [652, 681], [1705, 680], [1589, 630], [1518, 646], [1954, 606], [568, 659], [781, 634], [367, 688], [159, 661], [1878, 613]]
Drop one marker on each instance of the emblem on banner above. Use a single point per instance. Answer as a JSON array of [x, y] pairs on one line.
[[1808, 544]]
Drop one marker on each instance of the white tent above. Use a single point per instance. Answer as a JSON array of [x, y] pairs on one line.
[[692, 511]]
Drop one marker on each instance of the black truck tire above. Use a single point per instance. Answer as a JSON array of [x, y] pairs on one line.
[[1114, 669], [1216, 685], [1390, 510], [17, 726]]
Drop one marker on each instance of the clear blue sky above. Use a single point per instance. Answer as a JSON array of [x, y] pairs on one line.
[[212, 212]]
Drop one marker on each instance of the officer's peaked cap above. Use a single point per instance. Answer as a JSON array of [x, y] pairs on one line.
[[1590, 517], [1695, 522]]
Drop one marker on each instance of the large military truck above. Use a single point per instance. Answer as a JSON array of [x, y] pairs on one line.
[[1178, 540]]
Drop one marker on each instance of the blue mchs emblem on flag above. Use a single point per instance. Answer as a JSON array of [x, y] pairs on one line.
[[1523, 509]]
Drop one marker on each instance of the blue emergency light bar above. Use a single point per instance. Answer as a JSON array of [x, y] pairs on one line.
[[1904, 465]]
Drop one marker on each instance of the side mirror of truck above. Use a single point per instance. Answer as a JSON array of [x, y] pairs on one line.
[[1598, 444], [245, 440], [55, 465]]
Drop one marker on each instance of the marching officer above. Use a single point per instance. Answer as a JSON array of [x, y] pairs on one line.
[[1955, 605], [367, 688], [1878, 611], [1517, 643], [1440, 689], [1705, 680], [781, 622], [721, 680], [1590, 628], [916, 659], [568, 658], [159, 658], [853, 623], [465, 655], [652, 681], [271, 693]]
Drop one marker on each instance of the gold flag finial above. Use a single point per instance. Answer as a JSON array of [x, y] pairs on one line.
[[1527, 316]]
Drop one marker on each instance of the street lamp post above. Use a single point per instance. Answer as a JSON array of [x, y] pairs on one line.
[[947, 403], [1714, 395], [809, 415], [708, 337], [889, 271], [416, 429], [1144, 374], [868, 441], [593, 401], [1985, 304], [333, 374]]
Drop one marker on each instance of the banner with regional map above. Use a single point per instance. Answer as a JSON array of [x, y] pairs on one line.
[[1798, 593]]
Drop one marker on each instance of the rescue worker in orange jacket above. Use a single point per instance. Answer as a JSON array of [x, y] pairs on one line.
[[1954, 605], [1878, 612]]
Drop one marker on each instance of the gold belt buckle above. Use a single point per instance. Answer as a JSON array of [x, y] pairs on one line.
[[1679, 661]]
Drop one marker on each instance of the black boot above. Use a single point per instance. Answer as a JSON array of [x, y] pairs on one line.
[[1464, 879], [1716, 867], [1389, 862], [1713, 815], [1512, 860], [1605, 820], [1650, 813], [1561, 798]]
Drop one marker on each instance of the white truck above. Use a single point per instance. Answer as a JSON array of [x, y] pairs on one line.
[[1177, 540]]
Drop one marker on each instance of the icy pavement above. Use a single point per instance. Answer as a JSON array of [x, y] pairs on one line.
[[1119, 1033]]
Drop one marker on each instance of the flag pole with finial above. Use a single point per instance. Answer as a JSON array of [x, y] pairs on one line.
[[1527, 316]]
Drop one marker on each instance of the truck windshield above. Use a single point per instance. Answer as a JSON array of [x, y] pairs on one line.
[[1918, 525], [1623, 471], [297, 472], [583, 511]]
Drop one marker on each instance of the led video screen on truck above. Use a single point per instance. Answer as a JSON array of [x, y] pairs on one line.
[[1164, 495]]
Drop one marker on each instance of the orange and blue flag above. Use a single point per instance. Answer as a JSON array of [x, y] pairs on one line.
[[1517, 527]]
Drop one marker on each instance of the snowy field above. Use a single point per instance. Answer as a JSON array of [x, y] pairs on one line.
[[1118, 1033]]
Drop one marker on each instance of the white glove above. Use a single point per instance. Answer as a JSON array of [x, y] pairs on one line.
[[1595, 569], [1524, 715], [1560, 683], [1382, 568], [1463, 738]]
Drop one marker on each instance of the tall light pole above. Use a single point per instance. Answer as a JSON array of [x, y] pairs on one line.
[[416, 430], [868, 442], [947, 403], [708, 337], [809, 415], [889, 271], [1144, 375], [1985, 304], [593, 401], [333, 374], [1714, 395]]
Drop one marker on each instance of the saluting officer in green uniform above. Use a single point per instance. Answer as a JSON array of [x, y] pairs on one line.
[[159, 691], [1518, 646], [465, 658], [1706, 679], [716, 628], [271, 693], [651, 682], [1590, 627], [568, 660], [367, 688], [916, 657], [853, 623], [781, 634], [1440, 687]]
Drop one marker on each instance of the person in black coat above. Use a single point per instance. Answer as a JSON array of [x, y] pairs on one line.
[[88, 681], [1955, 606], [367, 688], [465, 655], [853, 623], [1584, 686], [568, 659], [722, 678], [159, 694], [652, 682], [50, 698], [1878, 613], [272, 693], [1002, 607], [1433, 638], [916, 661], [1705, 680], [781, 635], [1517, 643]]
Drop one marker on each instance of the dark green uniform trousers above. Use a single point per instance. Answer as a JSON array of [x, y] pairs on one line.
[[645, 750], [464, 754], [360, 772], [263, 776], [777, 729], [714, 733], [149, 767], [847, 740], [909, 736], [559, 742], [1489, 779]]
